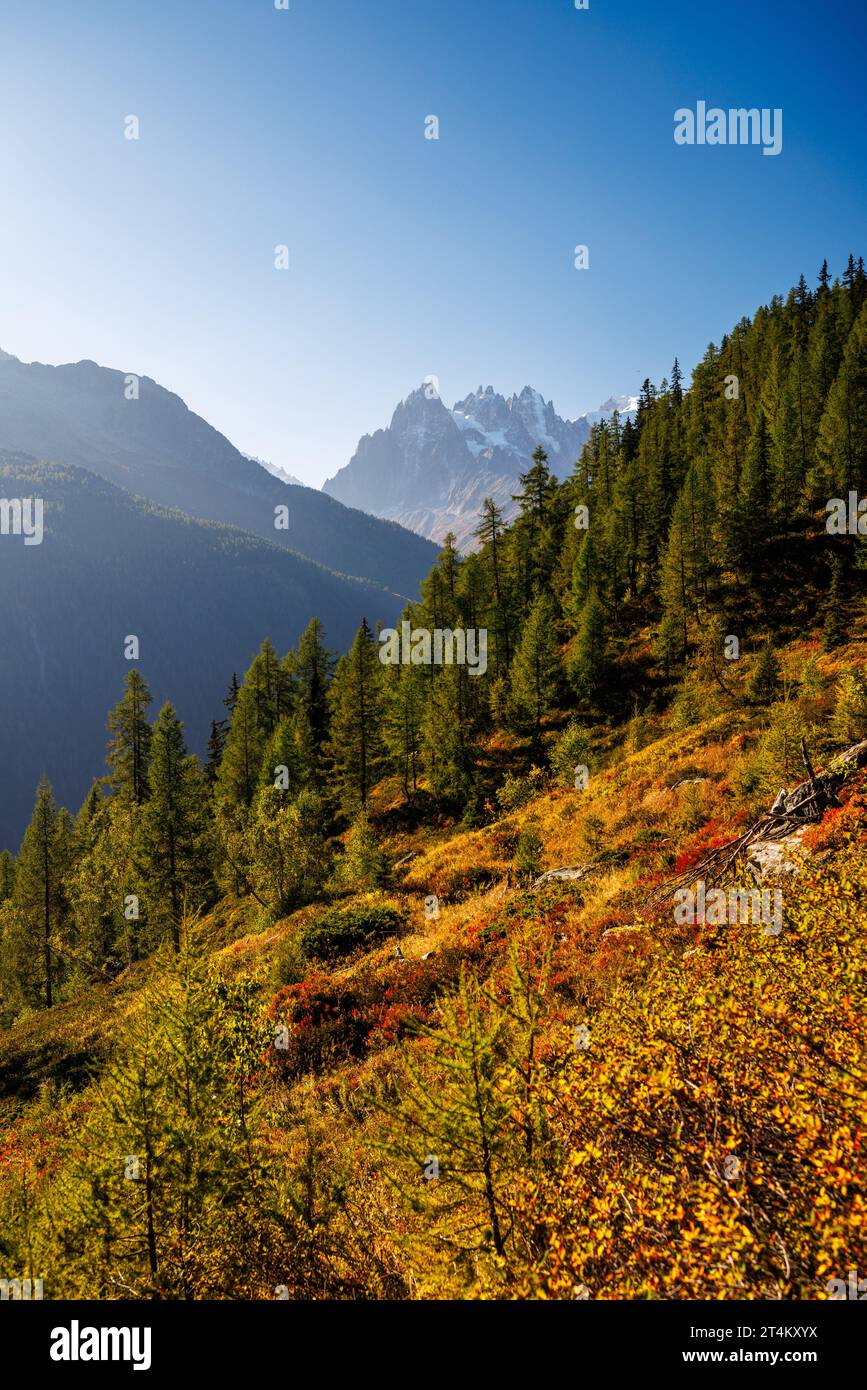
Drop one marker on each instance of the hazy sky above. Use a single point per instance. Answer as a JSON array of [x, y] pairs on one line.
[[408, 256]]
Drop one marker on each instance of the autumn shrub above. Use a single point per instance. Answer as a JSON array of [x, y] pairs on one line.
[[336, 933], [711, 1127], [514, 792], [572, 750], [528, 855]]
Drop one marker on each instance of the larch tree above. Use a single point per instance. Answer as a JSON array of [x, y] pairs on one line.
[[129, 750], [356, 706]]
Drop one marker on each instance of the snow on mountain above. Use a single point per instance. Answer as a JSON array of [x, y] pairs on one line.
[[276, 471], [432, 468]]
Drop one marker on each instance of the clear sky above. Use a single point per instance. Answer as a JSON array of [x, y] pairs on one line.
[[408, 256]]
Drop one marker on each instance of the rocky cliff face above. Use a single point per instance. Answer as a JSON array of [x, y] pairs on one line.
[[433, 467]]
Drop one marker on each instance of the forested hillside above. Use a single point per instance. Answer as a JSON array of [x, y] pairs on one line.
[[196, 596], [307, 1019]]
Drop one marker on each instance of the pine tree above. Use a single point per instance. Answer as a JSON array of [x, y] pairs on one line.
[[536, 670], [281, 760], [285, 851], [786, 462], [755, 502], [241, 763], [362, 866], [312, 674], [766, 676], [269, 680], [589, 668], [216, 749], [405, 703], [533, 536], [38, 897], [490, 533], [168, 1198], [834, 618], [447, 736], [356, 705], [676, 384], [172, 854], [232, 697], [129, 750]]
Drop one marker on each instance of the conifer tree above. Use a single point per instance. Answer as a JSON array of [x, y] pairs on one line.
[[232, 696], [281, 760], [490, 533], [172, 852], [286, 857], [363, 865], [241, 763], [533, 534], [167, 1197], [842, 443], [834, 619], [589, 668], [755, 503], [405, 703], [536, 671], [7, 875], [312, 674], [447, 736], [216, 749], [356, 705], [129, 750], [766, 676], [39, 898]]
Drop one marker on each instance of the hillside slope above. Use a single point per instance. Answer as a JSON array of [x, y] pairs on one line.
[[692, 1097]]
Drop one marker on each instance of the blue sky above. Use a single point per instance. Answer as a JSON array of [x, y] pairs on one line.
[[410, 257]]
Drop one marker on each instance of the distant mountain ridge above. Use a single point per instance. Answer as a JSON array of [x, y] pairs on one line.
[[155, 447], [432, 468], [199, 596]]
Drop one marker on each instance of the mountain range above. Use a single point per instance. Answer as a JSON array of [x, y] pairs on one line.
[[155, 525], [155, 447], [432, 468]]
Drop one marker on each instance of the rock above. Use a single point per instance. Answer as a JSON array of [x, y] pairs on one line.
[[773, 859], [566, 875]]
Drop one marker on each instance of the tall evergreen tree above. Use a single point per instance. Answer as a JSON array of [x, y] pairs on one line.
[[356, 706], [129, 750], [241, 763], [536, 671], [312, 674], [172, 853], [589, 667], [38, 896]]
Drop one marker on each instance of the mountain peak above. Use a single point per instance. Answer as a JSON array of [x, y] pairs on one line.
[[433, 467]]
